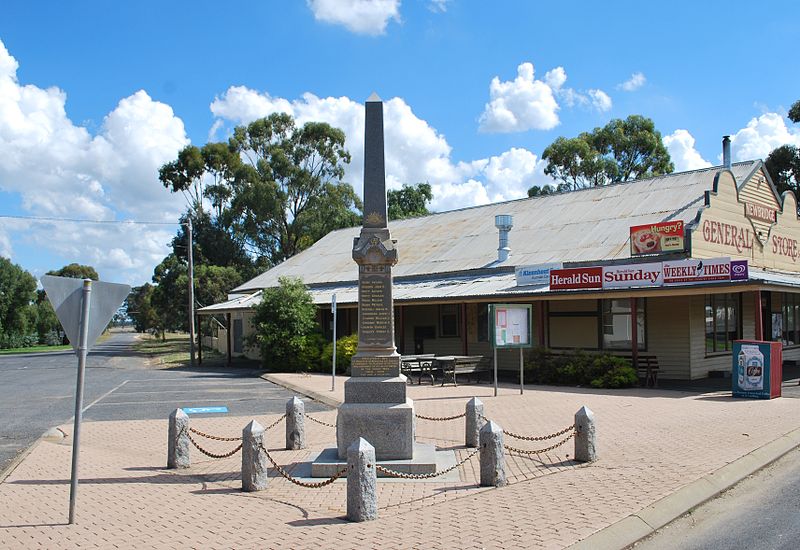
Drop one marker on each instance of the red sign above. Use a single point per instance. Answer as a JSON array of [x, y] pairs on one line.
[[657, 237], [575, 278], [760, 213]]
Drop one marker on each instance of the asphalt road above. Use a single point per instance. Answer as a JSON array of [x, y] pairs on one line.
[[763, 512], [37, 391]]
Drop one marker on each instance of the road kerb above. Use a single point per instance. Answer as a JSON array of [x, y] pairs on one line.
[[324, 399], [636, 527], [18, 459]]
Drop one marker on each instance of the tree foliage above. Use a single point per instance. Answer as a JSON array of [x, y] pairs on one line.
[[794, 111], [17, 294], [76, 271], [783, 164], [284, 323], [410, 201], [621, 150]]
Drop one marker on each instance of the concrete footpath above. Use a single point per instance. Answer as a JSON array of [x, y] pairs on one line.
[[660, 454]]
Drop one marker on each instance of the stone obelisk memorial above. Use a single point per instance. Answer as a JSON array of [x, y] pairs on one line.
[[375, 404]]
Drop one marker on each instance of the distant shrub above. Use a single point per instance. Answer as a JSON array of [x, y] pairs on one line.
[[345, 349], [578, 368]]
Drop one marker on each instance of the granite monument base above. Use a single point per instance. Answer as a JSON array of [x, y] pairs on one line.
[[427, 460], [389, 427]]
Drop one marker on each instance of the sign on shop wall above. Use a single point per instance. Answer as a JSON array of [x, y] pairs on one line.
[[740, 222], [656, 238]]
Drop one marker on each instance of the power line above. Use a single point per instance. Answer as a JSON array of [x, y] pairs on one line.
[[75, 220]]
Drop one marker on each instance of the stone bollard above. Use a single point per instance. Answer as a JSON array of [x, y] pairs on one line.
[[178, 444], [475, 421], [493, 459], [362, 499], [254, 459], [295, 424], [585, 436]]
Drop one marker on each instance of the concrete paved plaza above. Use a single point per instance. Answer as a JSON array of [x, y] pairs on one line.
[[652, 445]]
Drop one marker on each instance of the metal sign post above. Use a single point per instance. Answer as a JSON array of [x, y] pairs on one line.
[[333, 368], [510, 328], [84, 315], [521, 373], [83, 349]]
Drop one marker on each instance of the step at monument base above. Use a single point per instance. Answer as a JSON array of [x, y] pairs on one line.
[[426, 460]]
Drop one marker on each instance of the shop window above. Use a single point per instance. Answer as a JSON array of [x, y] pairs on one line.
[[483, 322], [723, 323], [617, 324], [449, 315], [791, 320]]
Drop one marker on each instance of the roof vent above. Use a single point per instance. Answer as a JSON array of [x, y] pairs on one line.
[[503, 223], [726, 152]]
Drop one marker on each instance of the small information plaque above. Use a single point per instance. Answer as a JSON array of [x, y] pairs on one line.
[[371, 365]]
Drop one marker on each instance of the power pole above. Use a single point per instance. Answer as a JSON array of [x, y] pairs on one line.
[[191, 292]]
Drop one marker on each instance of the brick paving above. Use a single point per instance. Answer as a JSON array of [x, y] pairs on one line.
[[650, 443]]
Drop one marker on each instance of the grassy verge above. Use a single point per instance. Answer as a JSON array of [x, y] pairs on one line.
[[171, 352], [48, 349]]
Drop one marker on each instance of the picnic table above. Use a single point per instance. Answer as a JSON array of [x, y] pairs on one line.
[[452, 365], [420, 364]]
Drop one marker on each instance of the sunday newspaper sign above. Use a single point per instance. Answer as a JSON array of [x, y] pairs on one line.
[[649, 275]]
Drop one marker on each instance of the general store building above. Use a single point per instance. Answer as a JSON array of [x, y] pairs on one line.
[[452, 265]]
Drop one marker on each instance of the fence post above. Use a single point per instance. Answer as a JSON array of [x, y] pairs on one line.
[[178, 442], [585, 436], [254, 459], [362, 499], [295, 424], [474, 422], [493, 460]]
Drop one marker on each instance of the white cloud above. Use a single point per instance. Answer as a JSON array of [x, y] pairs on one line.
[[438, 6], [59, 169], [6, 250], [529, 104], [521, 104], [762, 135], [636, 81], [368, 17], [680, 145], [415, 152], [600, 100]]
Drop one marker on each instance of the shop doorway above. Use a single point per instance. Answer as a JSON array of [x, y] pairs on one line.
[[420, 335]]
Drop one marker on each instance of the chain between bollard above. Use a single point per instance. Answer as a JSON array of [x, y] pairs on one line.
[[207, 453], [312, 419], [296, 481], [214, 437], [539, 451], [540, 438], [403, 475], [441, 418], [268, 428]]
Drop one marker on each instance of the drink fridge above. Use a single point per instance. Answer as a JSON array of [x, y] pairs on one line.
[[757, 369]]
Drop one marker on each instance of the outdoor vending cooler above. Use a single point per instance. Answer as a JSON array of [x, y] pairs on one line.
[[757, 369]]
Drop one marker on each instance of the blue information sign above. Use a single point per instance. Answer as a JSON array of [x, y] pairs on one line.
[[205, 410]]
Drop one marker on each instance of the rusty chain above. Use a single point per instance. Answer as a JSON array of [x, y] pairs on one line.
[[214, 437], [312, 419], [539, 451], [403, 475], [534, 437], [296, 481], [212, 455], [219, 438], [442, 418]]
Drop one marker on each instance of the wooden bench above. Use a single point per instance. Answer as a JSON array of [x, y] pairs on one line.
[[453, 365], [647, 369]]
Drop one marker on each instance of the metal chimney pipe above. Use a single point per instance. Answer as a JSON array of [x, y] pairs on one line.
[[726, 151], [503, 223]]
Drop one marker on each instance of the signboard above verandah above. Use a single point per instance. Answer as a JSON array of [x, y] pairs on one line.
[[656, 238], [649, 275]]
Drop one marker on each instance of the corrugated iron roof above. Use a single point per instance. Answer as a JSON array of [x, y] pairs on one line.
[[587, 225]]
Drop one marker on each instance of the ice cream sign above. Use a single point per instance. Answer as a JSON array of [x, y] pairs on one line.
[[656, 238]]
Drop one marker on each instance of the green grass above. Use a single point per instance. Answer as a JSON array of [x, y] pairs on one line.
[[34, 349], [171, 352]]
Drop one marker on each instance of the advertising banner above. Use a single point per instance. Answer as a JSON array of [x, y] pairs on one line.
[[697, 271], [632, 275], [576, 278], [511, 325], [739, 270], [757, 369], [535, 274], [655, 238]]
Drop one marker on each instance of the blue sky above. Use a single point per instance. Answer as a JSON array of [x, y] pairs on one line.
[[94, 96]]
